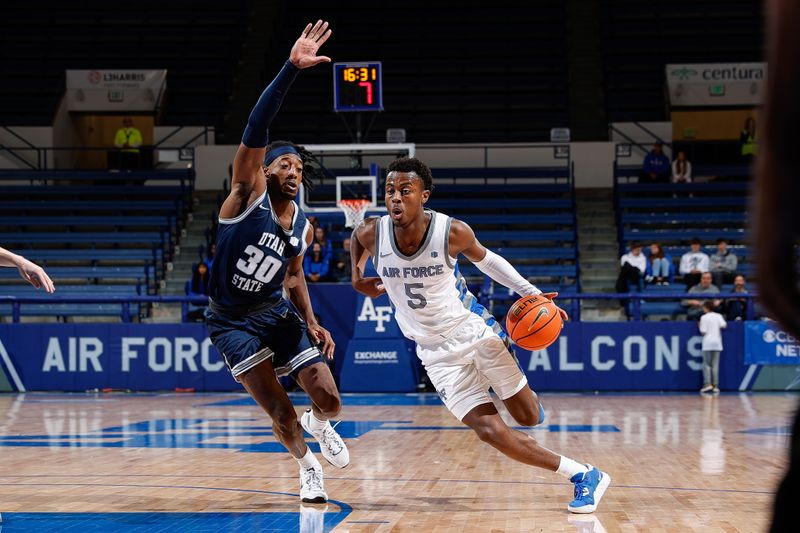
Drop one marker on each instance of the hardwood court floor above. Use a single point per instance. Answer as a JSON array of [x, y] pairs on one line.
[[210, 463]]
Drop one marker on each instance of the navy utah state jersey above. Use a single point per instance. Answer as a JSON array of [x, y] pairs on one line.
[[253, 251]]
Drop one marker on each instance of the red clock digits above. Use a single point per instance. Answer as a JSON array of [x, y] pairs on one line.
[[368, 86]]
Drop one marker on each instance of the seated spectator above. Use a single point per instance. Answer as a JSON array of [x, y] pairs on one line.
[[694, 307], [655, 167], [211, 251], [693, 264], [197, 287], [633, 265], [659, 265], [681, 169], [315, 264], [343, 267], [736, 308], [324, 242], [723, 264]]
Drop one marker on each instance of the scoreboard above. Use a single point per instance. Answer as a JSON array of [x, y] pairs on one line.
[[357, 87]]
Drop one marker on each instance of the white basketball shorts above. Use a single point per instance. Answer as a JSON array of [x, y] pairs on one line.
[[471, 359]]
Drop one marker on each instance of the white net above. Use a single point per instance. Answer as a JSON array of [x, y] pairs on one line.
[[354, 211]]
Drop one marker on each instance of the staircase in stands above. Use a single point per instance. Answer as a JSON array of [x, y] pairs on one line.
[[598, 252]]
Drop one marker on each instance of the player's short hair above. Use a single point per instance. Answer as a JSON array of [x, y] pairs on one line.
[[412, 164], [708, 304], [636, 244], [312, 168], [721, 240], [695, 240]]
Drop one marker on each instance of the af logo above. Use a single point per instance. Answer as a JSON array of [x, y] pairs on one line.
[[379, 314]]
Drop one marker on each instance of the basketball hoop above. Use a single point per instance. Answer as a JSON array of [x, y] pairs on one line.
[[354, 210]]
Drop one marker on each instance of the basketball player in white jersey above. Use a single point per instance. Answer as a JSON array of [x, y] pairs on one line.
[[415, 251]]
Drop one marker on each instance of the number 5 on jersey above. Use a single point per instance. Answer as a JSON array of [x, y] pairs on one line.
[[415, 300]]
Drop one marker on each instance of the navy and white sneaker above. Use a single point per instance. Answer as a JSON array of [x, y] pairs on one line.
[[333, 448], [312, 486], [589, 490]]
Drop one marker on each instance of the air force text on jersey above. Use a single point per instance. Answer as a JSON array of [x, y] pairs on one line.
[[416, 272]]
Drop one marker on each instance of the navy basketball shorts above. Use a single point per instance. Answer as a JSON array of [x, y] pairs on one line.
[[277, 333]]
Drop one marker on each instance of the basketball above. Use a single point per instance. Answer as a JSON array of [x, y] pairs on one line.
[[533, 322]]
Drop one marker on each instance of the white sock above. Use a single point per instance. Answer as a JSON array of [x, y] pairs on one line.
[[314, 423], [309, 460], [568, 468]]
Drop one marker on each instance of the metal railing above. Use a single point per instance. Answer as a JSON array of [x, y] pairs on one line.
[[636, 300], [44, 156]]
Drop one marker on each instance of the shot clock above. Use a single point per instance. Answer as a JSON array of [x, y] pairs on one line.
[[357, 87]]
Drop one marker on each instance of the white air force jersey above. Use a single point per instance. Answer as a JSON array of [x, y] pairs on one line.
[[422, 287]]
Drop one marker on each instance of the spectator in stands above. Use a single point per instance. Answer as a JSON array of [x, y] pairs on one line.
[[211, 251], [736, 308], [633, 265], [659, 265], [324, 242], [128, 139], [723, 264], [711, 326], [30, 272], [681, 169], [315, 264], [747, 139], [655, 167], [694, 307], [197, 287], [343, 266], [693, 263]]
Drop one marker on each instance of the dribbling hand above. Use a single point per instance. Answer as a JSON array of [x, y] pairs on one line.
[[550, 296], [304, 51]]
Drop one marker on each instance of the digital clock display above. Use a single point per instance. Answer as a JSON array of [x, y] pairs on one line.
[[357, 87]]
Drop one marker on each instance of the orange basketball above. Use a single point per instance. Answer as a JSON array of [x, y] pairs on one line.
[[533, 322]]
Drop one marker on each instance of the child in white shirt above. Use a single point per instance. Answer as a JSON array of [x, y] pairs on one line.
[[711, 326]]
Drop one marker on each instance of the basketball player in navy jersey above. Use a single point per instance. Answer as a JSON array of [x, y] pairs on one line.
[[415, 251], [262, 237]]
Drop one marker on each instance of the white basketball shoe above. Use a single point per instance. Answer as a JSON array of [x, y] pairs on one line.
[[333, 448], [312, 486]]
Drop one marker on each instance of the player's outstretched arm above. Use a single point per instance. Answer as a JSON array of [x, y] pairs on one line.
[[362, 245], [463, 240], [30, 272], [248, 182], [295, 285]]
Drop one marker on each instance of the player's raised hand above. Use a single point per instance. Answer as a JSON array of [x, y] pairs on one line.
[[304, 51], [35, 275], [550, 296], [322, 336]]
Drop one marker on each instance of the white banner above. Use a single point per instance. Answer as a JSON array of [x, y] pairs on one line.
[[115, 90], [116, 79], [716, 84]]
